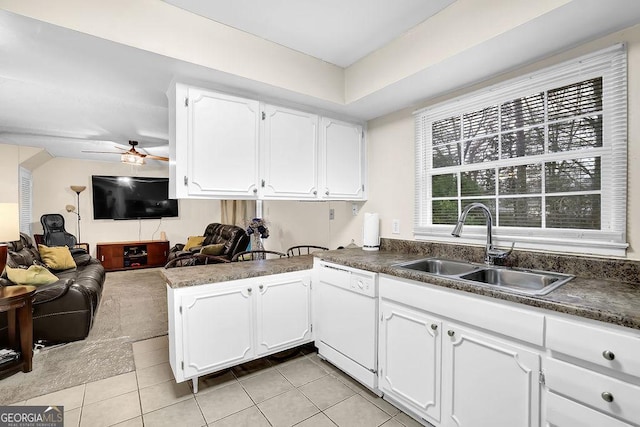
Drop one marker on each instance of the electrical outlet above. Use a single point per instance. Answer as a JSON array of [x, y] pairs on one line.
[[354, 209], [332, 214], [395, 226]]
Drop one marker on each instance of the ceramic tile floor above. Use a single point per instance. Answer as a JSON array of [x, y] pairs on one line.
[[293, 388]]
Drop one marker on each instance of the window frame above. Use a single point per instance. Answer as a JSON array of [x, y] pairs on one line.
[[610, 240]]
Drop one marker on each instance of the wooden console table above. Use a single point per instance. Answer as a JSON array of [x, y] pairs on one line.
[[16, 301], [133, 254]]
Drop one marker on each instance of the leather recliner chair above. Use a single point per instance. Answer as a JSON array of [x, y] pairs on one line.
[[63, 311], [234, 238]]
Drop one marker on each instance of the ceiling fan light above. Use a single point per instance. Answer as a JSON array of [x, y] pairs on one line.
[[132, 159]]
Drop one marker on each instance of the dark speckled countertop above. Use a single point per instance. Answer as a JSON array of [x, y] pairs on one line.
[[182, 277], [609, 301], [604, 290]]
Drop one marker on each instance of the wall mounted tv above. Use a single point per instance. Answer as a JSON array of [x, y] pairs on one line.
[[129, 197]]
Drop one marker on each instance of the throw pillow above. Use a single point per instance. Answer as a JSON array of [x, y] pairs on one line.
[[57, 258], [193, 241], [34, 275], [216, 249]]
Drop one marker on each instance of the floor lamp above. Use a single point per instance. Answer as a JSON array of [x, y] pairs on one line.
[[77, 189], [9, 229]]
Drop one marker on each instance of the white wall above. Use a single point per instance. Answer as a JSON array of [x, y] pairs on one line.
[[308, 223], [391, 149], [51, 193]]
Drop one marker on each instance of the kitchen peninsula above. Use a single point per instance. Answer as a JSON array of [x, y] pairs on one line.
[[535, 351]]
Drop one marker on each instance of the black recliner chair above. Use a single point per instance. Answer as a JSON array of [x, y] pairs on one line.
[[55, 234]]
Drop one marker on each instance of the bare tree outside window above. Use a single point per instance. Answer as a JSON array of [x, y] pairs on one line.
[[567, 119]]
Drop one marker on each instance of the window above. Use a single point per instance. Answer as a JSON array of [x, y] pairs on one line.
[[25, 200], [546, 153]]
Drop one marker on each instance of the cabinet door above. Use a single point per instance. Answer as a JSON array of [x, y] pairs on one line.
[[290, 154], [111, 256], [488, 382], [157, 253], [410, 358], [283, 313], [342, 160], [222, 145], [217, 329]]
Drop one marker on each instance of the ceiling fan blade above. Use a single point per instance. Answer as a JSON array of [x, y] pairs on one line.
[[100, 152], [164, 159]]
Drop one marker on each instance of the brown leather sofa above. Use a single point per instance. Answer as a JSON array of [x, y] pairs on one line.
[[234, 238], [63, 311]]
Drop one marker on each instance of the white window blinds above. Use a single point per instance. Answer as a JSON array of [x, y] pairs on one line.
[[25, 201], [547, 154]]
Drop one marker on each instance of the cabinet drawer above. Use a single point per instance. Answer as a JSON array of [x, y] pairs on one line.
[[563, 412], [611, 349], [589, 387]]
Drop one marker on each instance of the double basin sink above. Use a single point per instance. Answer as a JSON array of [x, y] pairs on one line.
[[528, 282]]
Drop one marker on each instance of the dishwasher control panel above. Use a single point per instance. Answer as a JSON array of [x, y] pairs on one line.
[[359, 281]]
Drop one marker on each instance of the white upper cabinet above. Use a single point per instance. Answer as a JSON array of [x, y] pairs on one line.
[[290, 154], [222, 145], [342, 160], [228, 147]]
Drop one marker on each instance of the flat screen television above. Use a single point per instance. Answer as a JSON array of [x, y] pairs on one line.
[[129, 197]]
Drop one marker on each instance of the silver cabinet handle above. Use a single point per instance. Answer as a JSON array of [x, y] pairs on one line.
[[607, 397], [608, 355], [249, 290], [261, 287], [434, 326], [326, 192], [255, 190], [315, 193], [450, 333]]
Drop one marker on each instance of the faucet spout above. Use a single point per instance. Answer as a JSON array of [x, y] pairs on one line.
[[490, 252]]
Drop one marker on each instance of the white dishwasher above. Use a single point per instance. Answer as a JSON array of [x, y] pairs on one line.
[[347, 320]]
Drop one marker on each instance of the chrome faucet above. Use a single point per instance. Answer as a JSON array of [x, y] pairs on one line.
[[490, 253]]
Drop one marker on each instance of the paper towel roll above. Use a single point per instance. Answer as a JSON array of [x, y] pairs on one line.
[[371, 232]]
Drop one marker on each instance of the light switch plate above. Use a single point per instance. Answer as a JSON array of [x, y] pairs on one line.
[[332, 213], [395, 226]]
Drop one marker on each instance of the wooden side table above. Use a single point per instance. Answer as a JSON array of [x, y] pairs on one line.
[[16, 301]]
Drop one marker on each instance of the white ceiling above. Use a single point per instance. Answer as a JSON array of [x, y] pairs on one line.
[[336, 31], [70, 92]]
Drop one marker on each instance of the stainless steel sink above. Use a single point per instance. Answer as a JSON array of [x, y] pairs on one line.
[[440, 267], [529, 282]]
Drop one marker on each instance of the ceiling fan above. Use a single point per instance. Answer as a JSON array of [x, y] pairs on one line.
[[132, 156]]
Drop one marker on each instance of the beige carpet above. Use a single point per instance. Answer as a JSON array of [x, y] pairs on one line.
[[133, 308]]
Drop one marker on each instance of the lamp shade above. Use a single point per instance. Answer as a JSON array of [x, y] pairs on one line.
[[9, 222], [78, 188]]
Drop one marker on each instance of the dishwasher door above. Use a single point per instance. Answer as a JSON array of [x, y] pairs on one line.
[[347, 313]]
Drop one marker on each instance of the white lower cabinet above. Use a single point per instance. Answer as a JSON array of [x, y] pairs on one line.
[[487, 381], [219, 325], [409, 358], [283, 313], [452, 374], [593, 370], [562, 412], [226, 314]]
